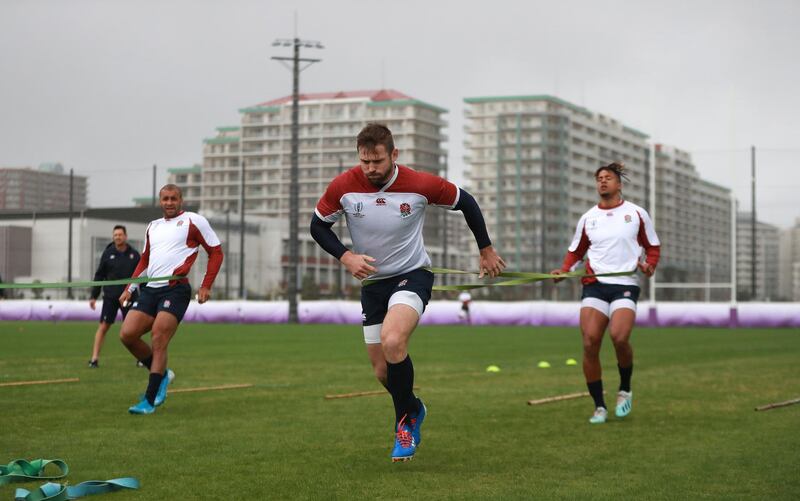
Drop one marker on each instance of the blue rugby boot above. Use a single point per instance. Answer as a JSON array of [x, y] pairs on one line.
[[599, 416], [404, 445], [169, 376], [143, 407], [624, 403], [416, 423]]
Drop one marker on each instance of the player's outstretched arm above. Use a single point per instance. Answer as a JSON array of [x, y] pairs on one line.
[[490, 262]]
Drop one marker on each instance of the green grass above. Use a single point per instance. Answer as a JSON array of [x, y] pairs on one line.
[[692, 434]]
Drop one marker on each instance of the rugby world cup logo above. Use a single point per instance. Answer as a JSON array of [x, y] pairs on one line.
[[358, 208], [405, 210], [628, 218]]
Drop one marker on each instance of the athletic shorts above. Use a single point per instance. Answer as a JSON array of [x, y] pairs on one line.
[[111, 305], [608, 298], [412, 289], [174, 300]]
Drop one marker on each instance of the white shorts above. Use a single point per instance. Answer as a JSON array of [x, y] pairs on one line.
[[372, 333], [606, 308]]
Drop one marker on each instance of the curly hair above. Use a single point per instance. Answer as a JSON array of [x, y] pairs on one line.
[[616, 168]]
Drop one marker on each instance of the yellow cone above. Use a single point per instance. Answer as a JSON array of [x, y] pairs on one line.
[[493, 368], [544, 364], [572, 361]]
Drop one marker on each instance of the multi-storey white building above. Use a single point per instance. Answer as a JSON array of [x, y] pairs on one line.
[[767, 243], [693, 218], [531, 163], [329, 124]]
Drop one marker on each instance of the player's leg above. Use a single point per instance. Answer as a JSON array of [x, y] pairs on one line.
[[99, 337], [374, 302], [137, 324], [398, 325], [172, 306], [164, 328], [623, 317], [108, 316], [139, 321], [594, 320], [406, 305], [378, 361]]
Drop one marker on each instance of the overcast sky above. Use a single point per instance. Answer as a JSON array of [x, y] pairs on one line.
[[112, 87]]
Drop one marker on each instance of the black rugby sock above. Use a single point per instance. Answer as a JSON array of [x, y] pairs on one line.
[[400, 383], [596, 391], [152, 387], [147, 362], [625, 378]]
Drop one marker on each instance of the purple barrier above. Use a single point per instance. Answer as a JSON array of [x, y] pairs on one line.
[[524, 313], [769, 314]]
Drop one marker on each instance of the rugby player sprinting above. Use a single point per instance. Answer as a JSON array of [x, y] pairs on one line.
[[611, 235], [171, 247], [384, 204]]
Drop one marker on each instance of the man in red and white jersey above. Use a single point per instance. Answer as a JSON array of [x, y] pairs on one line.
[[385, 204], [171, 247], [611, 236]]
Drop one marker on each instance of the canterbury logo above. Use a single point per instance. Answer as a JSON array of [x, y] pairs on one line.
[[380, 201]]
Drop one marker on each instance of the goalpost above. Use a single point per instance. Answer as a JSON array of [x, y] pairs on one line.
[[654, 285]]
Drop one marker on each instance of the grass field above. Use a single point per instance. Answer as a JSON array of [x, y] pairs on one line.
[[693, 432]]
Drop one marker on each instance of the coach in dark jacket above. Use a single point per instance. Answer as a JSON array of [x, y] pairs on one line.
[[118, 261]]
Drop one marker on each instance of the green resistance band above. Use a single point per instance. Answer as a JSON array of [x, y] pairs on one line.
[[99, 283], [517, 278], [20, 470], [60, 492]]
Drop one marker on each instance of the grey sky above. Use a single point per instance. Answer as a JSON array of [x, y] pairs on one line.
[[111, 87]]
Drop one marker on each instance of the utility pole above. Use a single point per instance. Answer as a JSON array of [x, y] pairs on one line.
[[339, 271], [753, 288], [241, 233], [69, 243], [445, 261], [294, 184]]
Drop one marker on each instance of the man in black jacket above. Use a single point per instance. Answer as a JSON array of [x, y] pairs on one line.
[[118, 261]]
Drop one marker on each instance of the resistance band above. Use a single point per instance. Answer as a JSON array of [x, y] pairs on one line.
[[20, 470], [62, 492], [99, 283], [517, 278]]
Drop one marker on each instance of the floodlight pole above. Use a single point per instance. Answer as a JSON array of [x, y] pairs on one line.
[[294, 173]]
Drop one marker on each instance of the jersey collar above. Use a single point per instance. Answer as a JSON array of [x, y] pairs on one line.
[[392, 180], [621, 201], [179, 214]]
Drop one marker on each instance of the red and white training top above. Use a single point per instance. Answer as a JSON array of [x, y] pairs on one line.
[[171, 247], [386, 223], [612, 241]]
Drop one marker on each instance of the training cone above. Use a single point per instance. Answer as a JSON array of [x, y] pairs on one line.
[[544, 364], [572, 361], [493, 368]]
